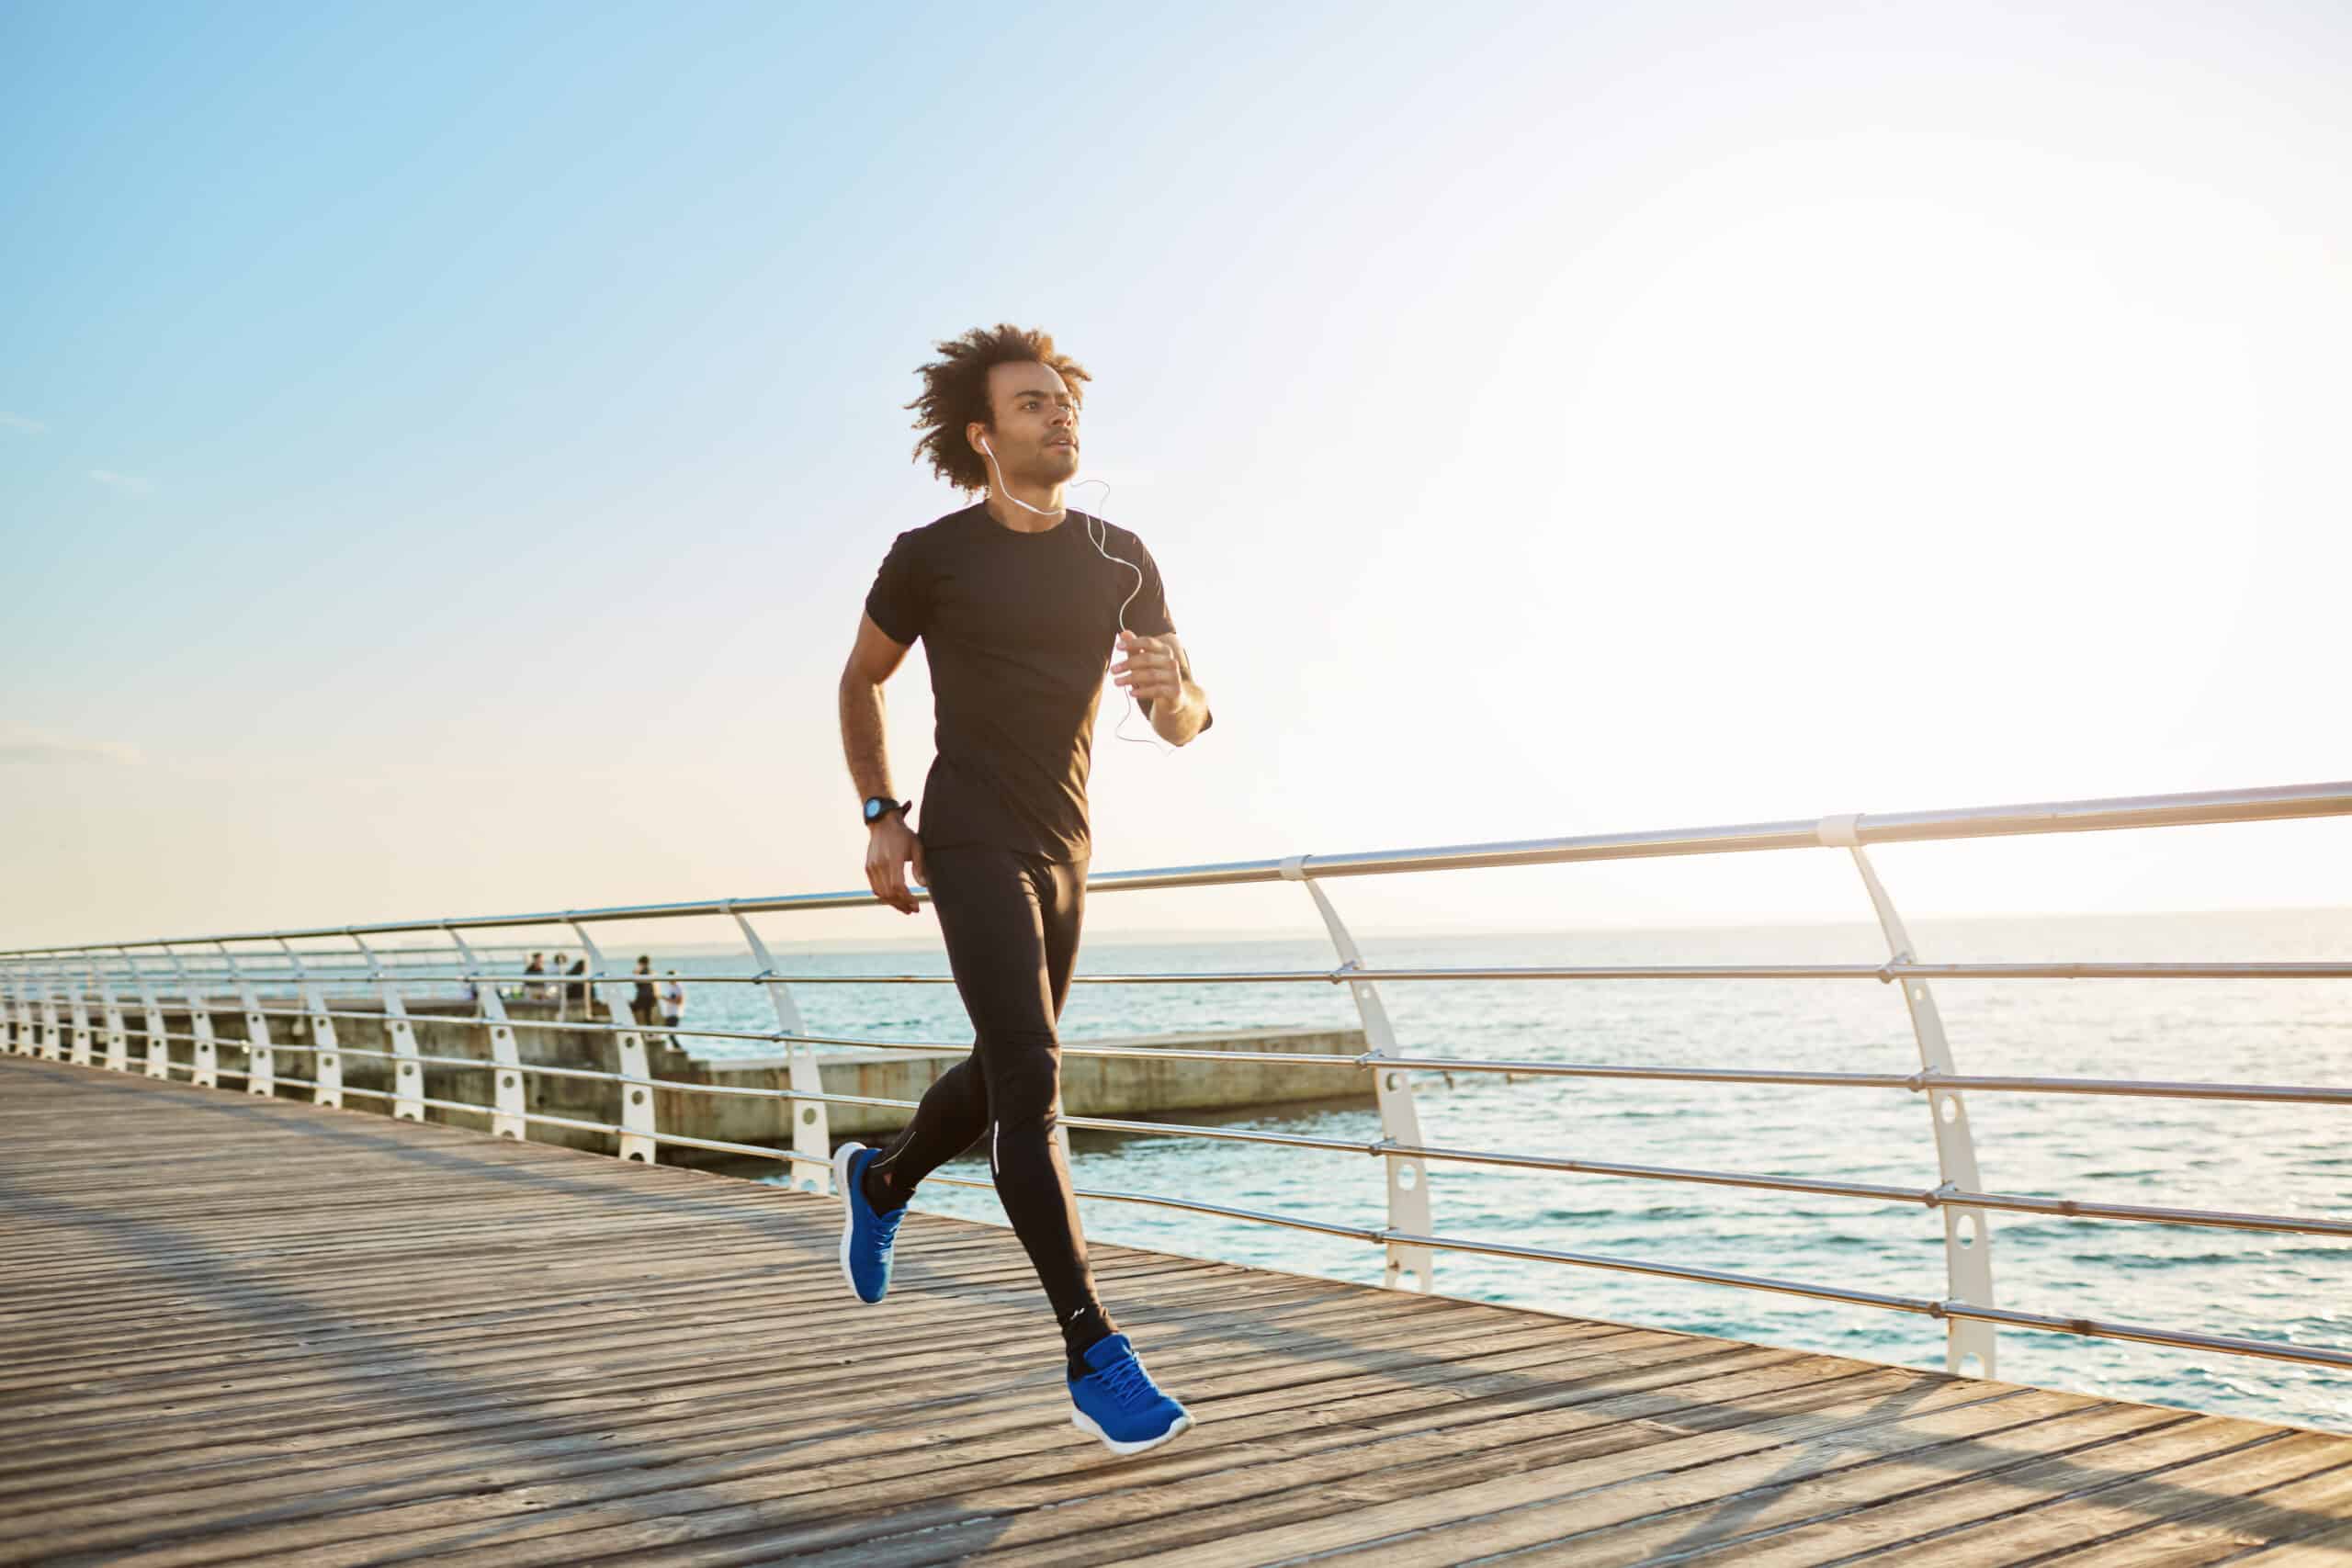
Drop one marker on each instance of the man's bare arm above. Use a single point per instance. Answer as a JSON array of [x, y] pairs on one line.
[[872, 661], [891, 843]]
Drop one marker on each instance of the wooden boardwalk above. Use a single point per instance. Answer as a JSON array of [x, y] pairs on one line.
[[245, 1330]]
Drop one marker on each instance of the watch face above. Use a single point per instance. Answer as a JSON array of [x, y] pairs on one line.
[[873, 810]]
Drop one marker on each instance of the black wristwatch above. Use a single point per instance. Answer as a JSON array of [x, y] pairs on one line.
[[877, 807]]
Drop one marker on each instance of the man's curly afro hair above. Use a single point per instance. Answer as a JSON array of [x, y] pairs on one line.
[[955, 394]]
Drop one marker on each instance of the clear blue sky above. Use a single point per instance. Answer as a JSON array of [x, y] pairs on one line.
[[442, 450]]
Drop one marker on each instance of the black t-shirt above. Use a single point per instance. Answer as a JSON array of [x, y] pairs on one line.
[[1019, 630]]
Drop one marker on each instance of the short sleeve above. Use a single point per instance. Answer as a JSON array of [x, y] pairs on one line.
[[1147, 614], [899, 601]]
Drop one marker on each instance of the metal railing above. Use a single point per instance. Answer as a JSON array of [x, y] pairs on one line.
[[60, 1003]]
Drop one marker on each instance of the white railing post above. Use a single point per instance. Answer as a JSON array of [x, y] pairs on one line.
[[1968, 1238], [31, 1015], [52, 1031], [506, 1062], [326, 1061], [16, 1016], [811, 1134], [408, 1072], [261, 1071], [77, 1010], [206, 1055], [117, 1034], [27, 1036], [28, 1019], [159, 1049], [1408, 1176], [638, 1125], [30, 1038]]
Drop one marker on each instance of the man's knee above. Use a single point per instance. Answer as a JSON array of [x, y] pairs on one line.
[[1025, 1085]]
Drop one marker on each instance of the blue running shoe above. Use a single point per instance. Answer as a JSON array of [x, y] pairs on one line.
[[865, 1235], [1118, 1401]]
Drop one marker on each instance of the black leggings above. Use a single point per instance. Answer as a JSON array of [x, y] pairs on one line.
[[1010, 921]]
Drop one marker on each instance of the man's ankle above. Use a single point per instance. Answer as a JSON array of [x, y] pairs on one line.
[[880, 1195], [1088, 1327]]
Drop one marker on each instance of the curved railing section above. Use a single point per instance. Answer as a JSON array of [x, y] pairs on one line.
[[74, 1004]]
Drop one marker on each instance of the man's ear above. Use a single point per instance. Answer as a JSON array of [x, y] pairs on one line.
[[972, 434]]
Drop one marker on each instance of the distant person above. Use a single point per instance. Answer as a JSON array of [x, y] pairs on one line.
[[640, 1001], [575, 992], [674, 1002], [531, 990], [1019, 602]]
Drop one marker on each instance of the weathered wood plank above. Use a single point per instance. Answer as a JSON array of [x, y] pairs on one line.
[[1936, 1525], [2281, 1488]]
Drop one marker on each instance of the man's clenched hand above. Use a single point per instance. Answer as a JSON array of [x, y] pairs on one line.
[[890, 844], [1152, 671]]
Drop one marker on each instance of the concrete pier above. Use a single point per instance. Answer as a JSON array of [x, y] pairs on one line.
[[1091, 1086]]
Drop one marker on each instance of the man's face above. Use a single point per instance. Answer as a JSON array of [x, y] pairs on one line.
[[1036, 423]]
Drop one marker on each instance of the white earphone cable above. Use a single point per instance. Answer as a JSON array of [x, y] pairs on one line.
[[1120, 729]]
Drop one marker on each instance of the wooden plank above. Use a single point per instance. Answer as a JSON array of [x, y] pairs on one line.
[[1547, 1503], [1939, 1518], [2283, 1488], [2113, 1442]]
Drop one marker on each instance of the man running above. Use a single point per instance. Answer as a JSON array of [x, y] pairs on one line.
[[1019, 602]]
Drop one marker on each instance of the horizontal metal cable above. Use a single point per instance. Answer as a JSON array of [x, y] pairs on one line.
[[2155, 970], [1219, 1135], [2269, 1349], [1932, 1198], [2097, 1328], [755, 1150], [2250, 970], [1919, 1082], [2270, 804], [777, 1037], [1153, 1199], [544, 1070]]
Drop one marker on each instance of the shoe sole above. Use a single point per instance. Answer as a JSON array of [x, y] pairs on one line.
[[1085, 1423], [849, 1219]]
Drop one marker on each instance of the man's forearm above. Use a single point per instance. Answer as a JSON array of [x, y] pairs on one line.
[[862, 738], [1178, 722]]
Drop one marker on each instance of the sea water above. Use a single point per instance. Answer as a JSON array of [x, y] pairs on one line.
[[2284, 1159]]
